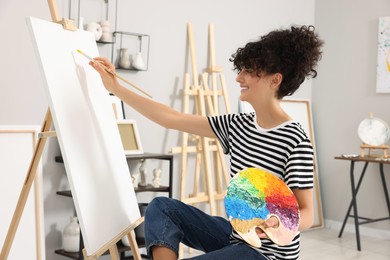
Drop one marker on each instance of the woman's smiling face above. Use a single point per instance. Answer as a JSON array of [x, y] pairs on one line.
[[254, 87]]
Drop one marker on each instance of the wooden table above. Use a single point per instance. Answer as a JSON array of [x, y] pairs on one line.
[[355, 188]]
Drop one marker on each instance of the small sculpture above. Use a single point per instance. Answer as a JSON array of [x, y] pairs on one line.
[[124, 61], [135, 179], [106, 35], [143, 171], [156, 178]]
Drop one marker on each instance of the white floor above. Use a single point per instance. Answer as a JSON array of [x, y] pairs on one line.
[[321, 244], [324, 243]]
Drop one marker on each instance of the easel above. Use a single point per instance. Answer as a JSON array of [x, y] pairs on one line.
[[204, 99], [372, 148], [31, 175]]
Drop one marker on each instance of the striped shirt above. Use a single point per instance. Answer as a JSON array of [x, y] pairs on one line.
[[284, 151]]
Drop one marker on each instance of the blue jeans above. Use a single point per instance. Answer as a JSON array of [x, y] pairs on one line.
[[169, 222]]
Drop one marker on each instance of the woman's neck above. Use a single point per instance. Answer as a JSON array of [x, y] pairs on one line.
[[270, 115]]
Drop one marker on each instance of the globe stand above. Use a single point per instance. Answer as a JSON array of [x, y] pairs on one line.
[[372, 148]]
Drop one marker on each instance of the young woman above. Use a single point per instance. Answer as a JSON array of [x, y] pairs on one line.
[[267, 70]]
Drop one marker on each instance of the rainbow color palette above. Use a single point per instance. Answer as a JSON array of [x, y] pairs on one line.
[[253, 196]]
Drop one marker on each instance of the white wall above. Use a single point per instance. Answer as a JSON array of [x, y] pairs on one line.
[[343, 95], [22, 99]]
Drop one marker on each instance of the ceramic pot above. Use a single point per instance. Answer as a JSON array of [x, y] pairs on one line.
[[124, 61], [71, 236], [138, 62], [96, 29], [106, 37]]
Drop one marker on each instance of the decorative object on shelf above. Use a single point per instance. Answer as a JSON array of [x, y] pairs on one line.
[[138, 62], [138, 45], [124, 61], [125, 241], [135, 179], [143, 172], [130, 138], [81, 23], [106, 32], [374, 133], [96, 29], [156, 178], [71, 236]]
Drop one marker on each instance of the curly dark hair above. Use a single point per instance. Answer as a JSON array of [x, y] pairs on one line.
[[292, 52]]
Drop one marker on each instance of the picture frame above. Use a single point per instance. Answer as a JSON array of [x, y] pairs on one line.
[[17, 148], [300, 111], [117, 106], [129, 134]]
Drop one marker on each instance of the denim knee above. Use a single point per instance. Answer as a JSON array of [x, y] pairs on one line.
[[159, 228]]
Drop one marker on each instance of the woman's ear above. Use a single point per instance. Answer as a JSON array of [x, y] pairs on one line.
[[277, 79]]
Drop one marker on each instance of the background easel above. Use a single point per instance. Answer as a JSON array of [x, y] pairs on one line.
[[208, 151], [45, 132], [371, 148]]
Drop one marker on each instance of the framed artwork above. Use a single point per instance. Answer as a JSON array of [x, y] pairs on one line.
[[16, 153], [383, 58], [131, 141], [300, 111], [117, 106]]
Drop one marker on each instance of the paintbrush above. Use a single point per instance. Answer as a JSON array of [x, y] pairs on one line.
[[114, 74]]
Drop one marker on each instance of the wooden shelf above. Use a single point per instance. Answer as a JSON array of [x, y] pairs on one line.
[[68, 193], [121, 249], [59, 158]]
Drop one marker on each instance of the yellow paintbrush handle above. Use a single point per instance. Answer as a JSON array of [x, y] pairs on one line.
[[131, 84], [115, 74]]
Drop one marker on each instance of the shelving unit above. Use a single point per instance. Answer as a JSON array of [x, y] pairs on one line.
[[107, 10], [149, 188], [139, 43]]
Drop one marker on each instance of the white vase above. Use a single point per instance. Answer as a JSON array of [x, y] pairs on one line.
[[124, 61], [125, 241], [96, 29], [138, 62], [71, 236]]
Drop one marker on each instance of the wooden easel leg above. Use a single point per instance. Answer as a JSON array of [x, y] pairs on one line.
[[184, 145], [134, 246], [47, 123], [114, 252]]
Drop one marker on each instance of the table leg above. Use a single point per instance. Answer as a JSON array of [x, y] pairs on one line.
[[356, 190], [355, 211], [384, 187]]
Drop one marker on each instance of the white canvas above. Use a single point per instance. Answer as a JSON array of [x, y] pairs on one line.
[[88, 136]]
